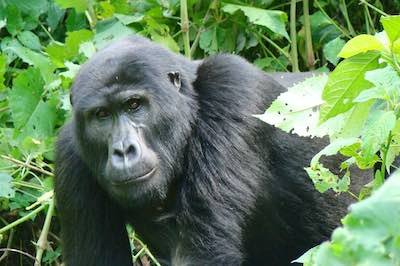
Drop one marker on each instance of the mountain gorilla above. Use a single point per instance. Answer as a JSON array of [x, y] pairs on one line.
[[170, 146]]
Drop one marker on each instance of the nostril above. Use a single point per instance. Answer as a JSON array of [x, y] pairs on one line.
[[118, 153], [131, 152]]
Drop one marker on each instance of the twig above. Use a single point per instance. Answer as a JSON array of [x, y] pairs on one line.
[[18, 251], [18, 162], [374, 8], [42, 242], [22, 219], [9, 242], [307, 30]]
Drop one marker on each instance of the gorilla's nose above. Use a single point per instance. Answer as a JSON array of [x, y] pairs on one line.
[[124, 154]]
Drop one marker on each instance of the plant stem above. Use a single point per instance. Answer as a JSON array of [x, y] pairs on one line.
[[185, 28], [374, 8], [42, 242], [283, 52], [293, 37], [346, 17], [344, 32], [307, 29], [18, 162], [22, 219]]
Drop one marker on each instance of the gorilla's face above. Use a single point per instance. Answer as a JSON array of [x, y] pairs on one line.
[[132, 123]]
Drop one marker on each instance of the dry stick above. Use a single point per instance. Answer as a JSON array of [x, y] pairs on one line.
[[42, 242], [18, 162], [293, 37], [185, 28], [18, 251], [307, 29]]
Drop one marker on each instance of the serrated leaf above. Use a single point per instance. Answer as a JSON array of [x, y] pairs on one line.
[[391, 25], [78, 5], [272, 19], [6, 189], [361, 44], [25, 96], [345, 83], [386, 81], [109, 31], [333, 148], [288, 113]]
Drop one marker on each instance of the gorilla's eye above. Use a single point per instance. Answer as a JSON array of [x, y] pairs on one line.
[[132, 104], [102, 113]]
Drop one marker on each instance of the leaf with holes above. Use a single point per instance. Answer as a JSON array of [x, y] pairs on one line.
[[6, 189], [288, 113]]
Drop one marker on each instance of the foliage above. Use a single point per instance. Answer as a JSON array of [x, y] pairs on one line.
[[44, 42], [358, 107]]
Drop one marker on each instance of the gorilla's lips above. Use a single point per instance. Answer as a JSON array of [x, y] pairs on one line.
[[134, 179]]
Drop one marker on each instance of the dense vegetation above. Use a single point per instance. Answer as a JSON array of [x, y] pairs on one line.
[[43, 43]]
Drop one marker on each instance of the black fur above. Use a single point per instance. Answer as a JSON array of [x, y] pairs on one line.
[[230, 189]]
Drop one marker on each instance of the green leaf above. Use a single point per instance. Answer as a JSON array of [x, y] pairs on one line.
[[272, 19], [386, 81], [292, 115], [391, 24], [35, 59], [345, 83], [15, 24], [25, 95], [30, 40], [376, 132], [110, 30], [361, 44], [31, 7], [332, 49], [370, 232], [6, 189], [60, 53], [78, 5], [42, 121]]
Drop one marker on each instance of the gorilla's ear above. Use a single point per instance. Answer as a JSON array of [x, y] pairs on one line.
[[175, 78]]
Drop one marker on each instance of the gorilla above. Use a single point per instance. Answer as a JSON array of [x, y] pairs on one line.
[[170, 146]]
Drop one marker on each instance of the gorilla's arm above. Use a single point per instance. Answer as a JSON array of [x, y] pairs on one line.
[[93, 230]]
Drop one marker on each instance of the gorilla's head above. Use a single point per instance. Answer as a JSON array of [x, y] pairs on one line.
[[133, 109]]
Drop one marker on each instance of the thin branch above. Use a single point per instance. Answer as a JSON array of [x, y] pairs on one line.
[[293, 37], [9, 242], [42, 242], [22, 219], [18, 251], [18, 162]]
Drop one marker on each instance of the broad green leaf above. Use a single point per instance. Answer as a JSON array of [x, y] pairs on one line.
[[30, 40], [6, 189], [25, 95], [391, 24], [387, 81], [345, 83], [78, 5], [370, 232], [376, 132], [15, 24], [126, 20], [31, 7], [288, 113], [165, 40], [272, 19], [360, 44], [35, 59], [208, 40], [60, 53], [54, 16], [332, 49], [353, 121], [42, 121], [110, 30]]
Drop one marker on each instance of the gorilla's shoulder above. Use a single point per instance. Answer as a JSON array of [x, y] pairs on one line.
[[235, 83]]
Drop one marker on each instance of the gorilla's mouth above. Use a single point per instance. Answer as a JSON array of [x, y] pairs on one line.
[[135, 179]]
